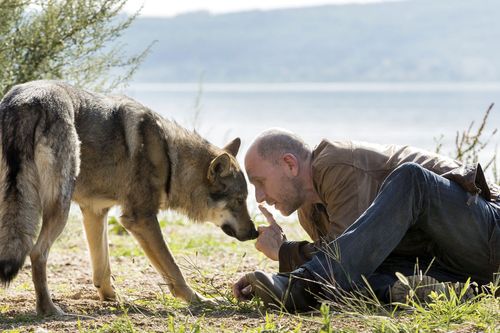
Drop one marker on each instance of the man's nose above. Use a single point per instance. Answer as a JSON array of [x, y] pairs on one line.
[[259, 195]]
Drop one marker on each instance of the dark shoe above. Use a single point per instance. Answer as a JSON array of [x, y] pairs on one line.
[[420, 287], [293, 292]]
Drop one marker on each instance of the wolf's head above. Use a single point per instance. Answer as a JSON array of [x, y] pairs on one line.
[[228, 193]]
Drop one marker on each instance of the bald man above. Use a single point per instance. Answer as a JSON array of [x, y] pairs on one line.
[[371, 210]]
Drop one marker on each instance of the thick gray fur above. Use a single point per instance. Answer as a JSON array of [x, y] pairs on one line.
[[60, 143]]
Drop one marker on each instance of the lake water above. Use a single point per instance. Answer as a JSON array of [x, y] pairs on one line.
[[401, 113]]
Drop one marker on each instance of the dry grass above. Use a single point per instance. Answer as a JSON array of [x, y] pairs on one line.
[[210, 261]]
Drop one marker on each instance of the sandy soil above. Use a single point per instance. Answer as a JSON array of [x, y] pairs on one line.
[[145, 302]]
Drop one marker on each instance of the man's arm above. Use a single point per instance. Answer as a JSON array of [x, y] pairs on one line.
[[292, 254], [338, 191], [324, 222]]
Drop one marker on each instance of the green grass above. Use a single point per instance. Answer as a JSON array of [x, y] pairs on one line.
[[25, 286], [444, 313], [4, 308], [211, 261], [123, 324]]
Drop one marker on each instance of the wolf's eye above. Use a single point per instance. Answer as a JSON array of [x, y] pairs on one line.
[[217, 196]]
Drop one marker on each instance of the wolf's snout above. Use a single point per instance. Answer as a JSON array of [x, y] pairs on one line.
[[253, 233]]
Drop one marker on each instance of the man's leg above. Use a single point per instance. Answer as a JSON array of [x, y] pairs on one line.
[[464, 238]]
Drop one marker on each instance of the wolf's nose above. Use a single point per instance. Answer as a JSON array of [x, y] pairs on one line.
[[253, 234]]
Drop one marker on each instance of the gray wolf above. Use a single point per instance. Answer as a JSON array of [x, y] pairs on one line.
[[60, 143]]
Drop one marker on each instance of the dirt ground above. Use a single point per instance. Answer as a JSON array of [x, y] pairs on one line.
[[210, 261]]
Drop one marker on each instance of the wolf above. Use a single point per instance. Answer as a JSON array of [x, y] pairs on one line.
[[60, 144]]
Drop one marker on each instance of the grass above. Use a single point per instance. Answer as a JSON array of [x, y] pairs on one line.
[[211, 262], [445, 314]]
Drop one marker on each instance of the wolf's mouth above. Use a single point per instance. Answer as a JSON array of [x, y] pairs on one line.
[[252, 234], [228, 230]]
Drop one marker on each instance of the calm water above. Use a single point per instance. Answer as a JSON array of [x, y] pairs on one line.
[[413, 114]]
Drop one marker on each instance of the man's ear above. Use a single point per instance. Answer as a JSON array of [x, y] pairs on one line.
[[221, 166], [233, 147], [291, 163]]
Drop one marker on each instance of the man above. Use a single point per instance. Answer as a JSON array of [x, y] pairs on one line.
[[371, 211]]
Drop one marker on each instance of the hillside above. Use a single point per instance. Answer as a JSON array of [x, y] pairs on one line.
[[419, 40]]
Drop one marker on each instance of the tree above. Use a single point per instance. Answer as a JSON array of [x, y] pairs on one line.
[[73, 40]]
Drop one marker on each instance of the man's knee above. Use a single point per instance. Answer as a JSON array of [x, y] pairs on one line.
[[411, 169], [410, 175]]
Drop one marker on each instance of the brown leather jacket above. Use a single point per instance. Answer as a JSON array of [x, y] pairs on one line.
[[347, 176]]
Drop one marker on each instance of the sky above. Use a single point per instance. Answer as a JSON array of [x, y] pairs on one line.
[[175, 7]]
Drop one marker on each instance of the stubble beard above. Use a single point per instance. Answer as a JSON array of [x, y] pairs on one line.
[[292, 197]]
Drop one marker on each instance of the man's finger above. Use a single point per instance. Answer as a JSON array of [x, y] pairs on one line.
[[236, 291], [241, 290], [269, 217], [258, 245], [262, 229], [247, 291]]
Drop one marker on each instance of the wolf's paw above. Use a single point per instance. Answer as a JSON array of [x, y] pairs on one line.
[[200, 300], [106, 294], [49, 309]]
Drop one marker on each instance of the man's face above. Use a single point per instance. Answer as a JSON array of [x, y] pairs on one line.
[[273, 183]]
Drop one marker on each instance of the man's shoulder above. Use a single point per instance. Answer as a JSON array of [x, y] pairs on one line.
[[347, 151], [332, 149], [373, 157]]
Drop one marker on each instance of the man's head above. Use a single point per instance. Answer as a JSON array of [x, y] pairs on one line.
[[275, 165]]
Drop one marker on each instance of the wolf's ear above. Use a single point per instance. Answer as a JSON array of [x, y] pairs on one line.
[[233, 147], [221, 166]]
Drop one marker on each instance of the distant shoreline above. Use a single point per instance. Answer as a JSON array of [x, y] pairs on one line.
[[427, 87]]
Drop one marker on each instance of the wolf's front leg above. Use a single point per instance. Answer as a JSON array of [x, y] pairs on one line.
[[148, 233]]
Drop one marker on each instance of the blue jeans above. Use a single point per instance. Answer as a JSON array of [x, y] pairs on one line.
[[417, 214]]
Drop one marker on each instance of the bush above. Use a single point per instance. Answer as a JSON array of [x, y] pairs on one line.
[[74, 40], [469, 144]]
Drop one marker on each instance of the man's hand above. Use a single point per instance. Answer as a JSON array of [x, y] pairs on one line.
[[271, 237], [242, 289]]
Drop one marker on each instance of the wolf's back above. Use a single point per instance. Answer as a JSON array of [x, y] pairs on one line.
[[34, 129]]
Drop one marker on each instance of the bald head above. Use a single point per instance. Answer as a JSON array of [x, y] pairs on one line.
[[271, 144]]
